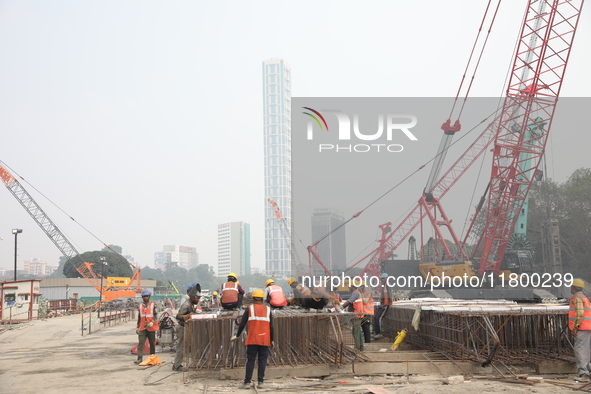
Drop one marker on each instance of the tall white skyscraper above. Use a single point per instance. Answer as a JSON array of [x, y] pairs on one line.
[[233, 248], [277, 137]]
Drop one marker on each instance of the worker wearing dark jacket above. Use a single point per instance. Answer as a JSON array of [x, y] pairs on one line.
[[147, 325], [385, 294], [232, 293], [259, 337], [184, 314]]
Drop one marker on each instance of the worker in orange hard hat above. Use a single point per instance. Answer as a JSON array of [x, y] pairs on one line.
[[274, 295], [259, 337], [232, 293], [579, 322]]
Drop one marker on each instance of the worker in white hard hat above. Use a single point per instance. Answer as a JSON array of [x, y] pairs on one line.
[[274, 295], [232, 293], [579, 322]]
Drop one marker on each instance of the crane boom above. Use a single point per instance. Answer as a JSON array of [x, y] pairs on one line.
[[33, 209], [534, 87], [60, 240]]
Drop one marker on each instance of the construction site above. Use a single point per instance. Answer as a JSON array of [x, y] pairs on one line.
[[467, 310]]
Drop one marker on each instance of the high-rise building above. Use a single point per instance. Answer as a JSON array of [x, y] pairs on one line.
[[332, 250], [233, 248], [277, 139], [185, 256], [38, 267]]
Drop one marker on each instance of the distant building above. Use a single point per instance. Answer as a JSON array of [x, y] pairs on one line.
[[277, 141], [185, 256], [233, 249], [38, 267], [332, 250]]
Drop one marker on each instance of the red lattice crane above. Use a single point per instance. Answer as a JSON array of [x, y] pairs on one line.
[[539, 64]]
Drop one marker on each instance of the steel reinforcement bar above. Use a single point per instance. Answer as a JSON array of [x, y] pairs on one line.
[[300, 339], [512, 334]]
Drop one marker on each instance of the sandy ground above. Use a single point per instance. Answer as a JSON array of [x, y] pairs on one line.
[[52, 357]]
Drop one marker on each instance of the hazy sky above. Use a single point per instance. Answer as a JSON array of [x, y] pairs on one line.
[[143, 119]]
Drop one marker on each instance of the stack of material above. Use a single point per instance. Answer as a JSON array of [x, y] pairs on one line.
[[300, 338], [485, 331]]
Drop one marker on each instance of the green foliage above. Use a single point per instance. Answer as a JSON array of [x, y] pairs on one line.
[[116, 265], [570, 204]]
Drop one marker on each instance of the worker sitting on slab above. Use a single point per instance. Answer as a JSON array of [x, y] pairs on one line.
[[232, 293], [579, 322], [187, 309], [274, 295], [147, 326], [259, 337], [306, 298], [300, 292]]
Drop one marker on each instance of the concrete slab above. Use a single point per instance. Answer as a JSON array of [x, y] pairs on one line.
[[304, 371]]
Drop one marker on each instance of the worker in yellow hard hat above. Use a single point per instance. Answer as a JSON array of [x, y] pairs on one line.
[[232, 293], [274, 295], [259, 337], [579, 322], [304, 297]]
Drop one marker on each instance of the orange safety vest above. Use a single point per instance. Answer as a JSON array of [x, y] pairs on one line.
[[358, 306], [277, 296], [368, 306], [586, 323], [259, 325], [147, 316], [229, 293]]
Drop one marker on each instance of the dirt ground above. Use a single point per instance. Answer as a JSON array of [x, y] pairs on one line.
[[52, 357]]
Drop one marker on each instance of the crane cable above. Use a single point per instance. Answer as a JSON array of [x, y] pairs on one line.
[[479, 58], [57, 206]]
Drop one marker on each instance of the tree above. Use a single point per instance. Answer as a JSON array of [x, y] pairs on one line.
[[116, 265], [570, 204]]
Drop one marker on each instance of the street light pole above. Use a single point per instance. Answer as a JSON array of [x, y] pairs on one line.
[[16, 232], [101, 296]]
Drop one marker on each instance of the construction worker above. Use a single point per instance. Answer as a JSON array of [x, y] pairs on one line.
[[186, 297], [147, 325], [232, 293], [214, 300], [368, 311], [355, 304], [259, 337], [187, 309], [300, 292], [579, 322], [385, 294], [274, 295]]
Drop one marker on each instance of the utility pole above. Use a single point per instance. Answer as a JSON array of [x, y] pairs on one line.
[[16, 232]]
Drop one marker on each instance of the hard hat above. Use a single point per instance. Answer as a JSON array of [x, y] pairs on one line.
[[579, 283], [384, 275], [269, 281], [232, 275], [191, 285], [146, 293], [291, 280], [215, 293], [258, 293]]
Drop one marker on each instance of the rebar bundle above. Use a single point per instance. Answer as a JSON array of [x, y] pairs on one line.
[[300, 338], [485, 332]]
